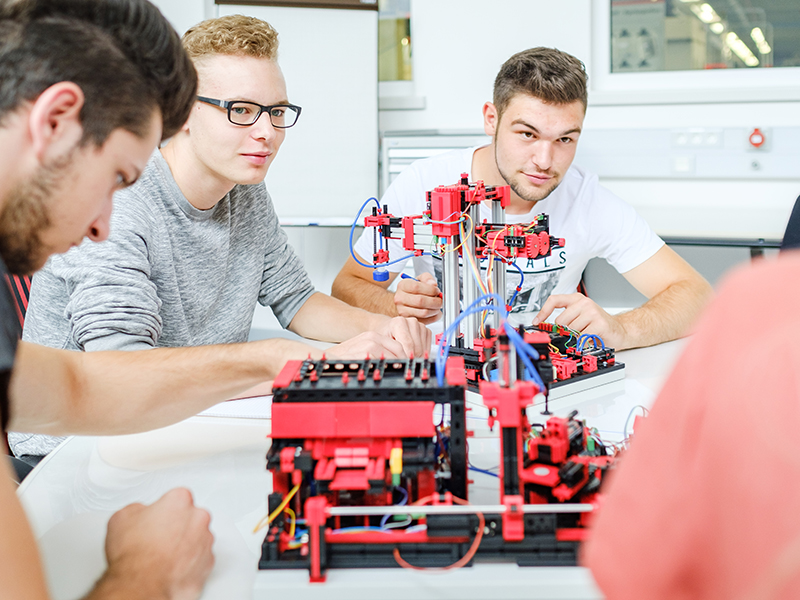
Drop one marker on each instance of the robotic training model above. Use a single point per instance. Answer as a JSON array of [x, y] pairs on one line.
[[369, 458], [369, 463]]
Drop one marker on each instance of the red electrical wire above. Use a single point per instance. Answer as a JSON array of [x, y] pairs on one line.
[[460, 562]]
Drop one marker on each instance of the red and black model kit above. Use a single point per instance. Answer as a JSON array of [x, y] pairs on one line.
[[452, 217], [369, 463]]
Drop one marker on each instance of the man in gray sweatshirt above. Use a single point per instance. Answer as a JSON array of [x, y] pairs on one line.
[[195, 243]]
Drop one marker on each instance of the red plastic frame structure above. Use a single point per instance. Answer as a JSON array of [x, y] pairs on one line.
[[370, 469]]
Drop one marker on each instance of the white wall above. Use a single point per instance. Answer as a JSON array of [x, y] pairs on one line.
[[182, 14], [731, 207]]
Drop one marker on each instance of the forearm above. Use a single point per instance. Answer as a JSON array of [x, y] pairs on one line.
[[667, 315], [364, 294], [59, 392], [328, 319], [113, 586], [20, 569], [261, 389]]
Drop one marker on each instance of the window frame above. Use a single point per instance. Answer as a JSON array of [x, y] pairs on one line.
[[779, 84]]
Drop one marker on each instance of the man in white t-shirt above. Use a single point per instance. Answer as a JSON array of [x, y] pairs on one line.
[[535, 121]]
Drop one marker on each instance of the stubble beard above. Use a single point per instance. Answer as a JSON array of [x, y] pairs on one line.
[[26, 214], [532, 196]]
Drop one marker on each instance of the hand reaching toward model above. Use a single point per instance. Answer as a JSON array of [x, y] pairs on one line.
[[420, 299], [586, 316]]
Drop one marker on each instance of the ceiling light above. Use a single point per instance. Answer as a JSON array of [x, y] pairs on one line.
[[717, 27], [705, 12], [760, 40], [740, 49]]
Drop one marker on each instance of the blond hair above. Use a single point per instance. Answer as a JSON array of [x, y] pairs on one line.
[[235, 35]]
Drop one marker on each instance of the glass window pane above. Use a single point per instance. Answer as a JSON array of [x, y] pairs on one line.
[[394, 40], [679, 35]]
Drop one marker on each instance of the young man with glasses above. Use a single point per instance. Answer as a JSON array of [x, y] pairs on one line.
[[196, 242]]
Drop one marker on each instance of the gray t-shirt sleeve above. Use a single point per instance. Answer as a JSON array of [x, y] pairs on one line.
[[111, 303], [285, 285], [114, 304]]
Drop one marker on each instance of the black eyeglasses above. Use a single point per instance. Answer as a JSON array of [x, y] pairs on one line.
[[240, 112]]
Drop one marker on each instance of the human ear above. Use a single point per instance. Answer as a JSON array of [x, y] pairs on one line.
[[54, 120], [187, 126], [490, 119]]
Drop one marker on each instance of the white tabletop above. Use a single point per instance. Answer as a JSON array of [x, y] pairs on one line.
[[72, 493]]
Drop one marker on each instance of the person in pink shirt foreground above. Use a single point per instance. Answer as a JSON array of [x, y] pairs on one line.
[[706, 503]]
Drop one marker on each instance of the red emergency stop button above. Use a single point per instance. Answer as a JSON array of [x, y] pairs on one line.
[[757, 138]]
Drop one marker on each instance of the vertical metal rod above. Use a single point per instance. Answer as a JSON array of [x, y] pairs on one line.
[[512, 364], [506, 362], [500, 363], [471, 289], [498, 268], [451, 288]]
